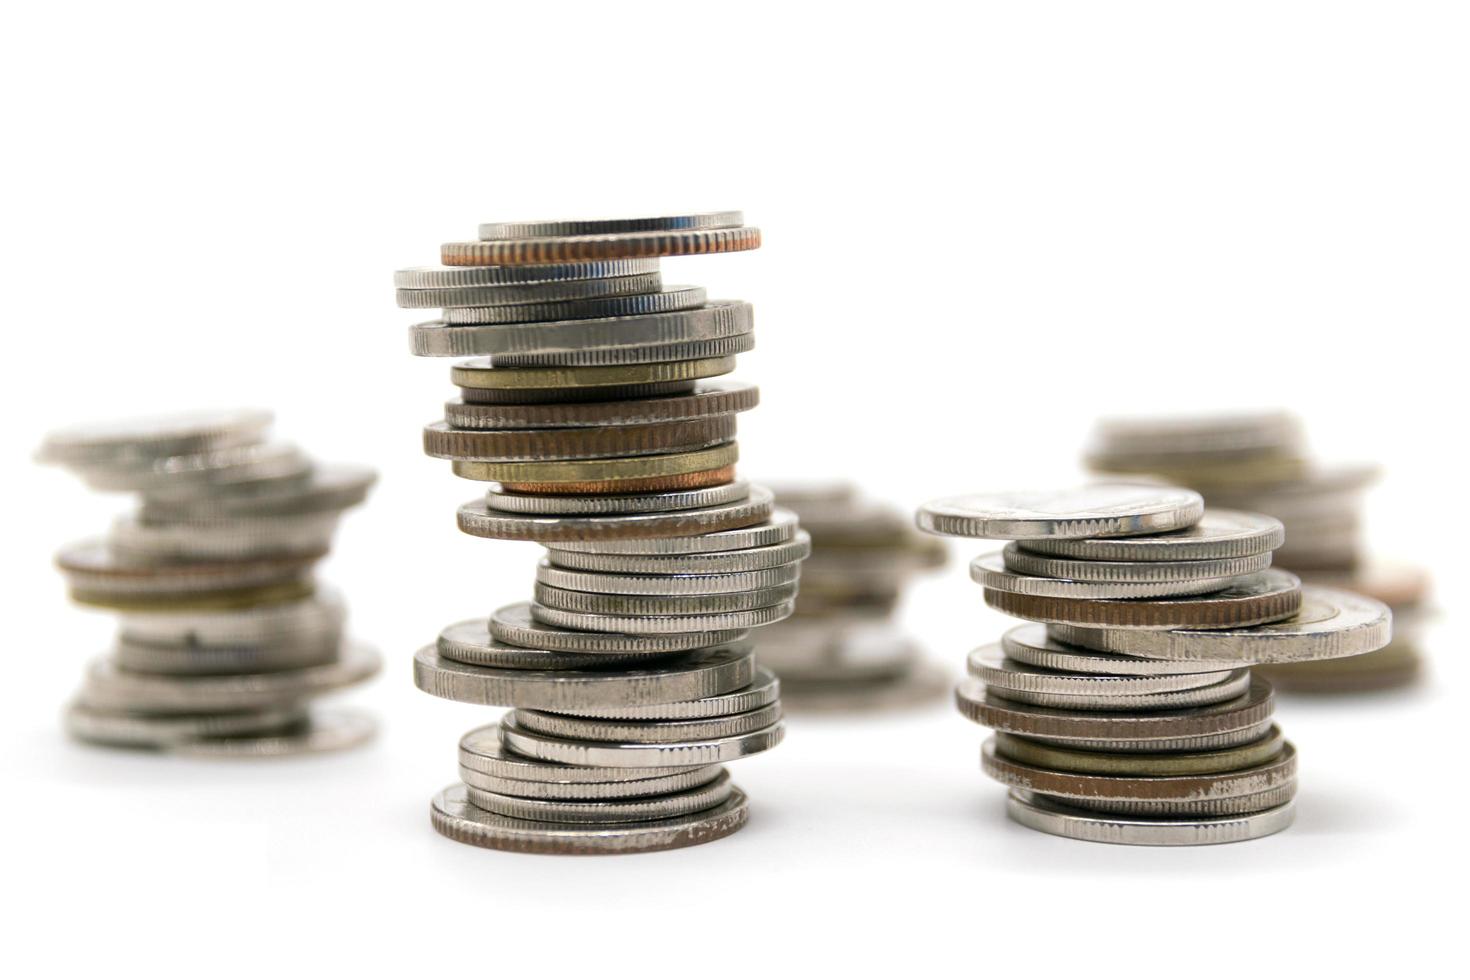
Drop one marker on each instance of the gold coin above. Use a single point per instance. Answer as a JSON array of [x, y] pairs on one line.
[[1031, 753], [591, 248], [600, 376], [597, 470], [196, 601], [655, 484]]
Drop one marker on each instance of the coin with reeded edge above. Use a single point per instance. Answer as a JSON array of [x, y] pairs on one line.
[[469, 642], [1030, 643], [119, 441], [612, 604], [1251, 599], [1022, 562], [476, 517], [638, 754], [438, 277], [159, 731], [584, 248], [1099, 510], [764, 689], [991, 665], [540, 397], [1219, 535], [781, 527], [453, 816], [1052, 818], [324, 731], [667, 299], [96, 569], [560, 505], [515, 624], [589, 812], [687, 563], [645, 731], [483, 750], [590, 377], [442, 441], [991, 572], [1041, 755], [1329, 624], [1232, 687], [511, 294], [707, 398], [620, 789], [563, 228], [1224, 806], [652, 484], [596, 470], [764, 578], [663, 625]]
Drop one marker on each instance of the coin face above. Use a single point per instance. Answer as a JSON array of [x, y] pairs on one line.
[[1264, 597], [1100, 510], [1218, 535]]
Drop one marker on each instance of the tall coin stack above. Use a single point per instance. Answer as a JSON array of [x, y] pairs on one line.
[[1260, 462], [1126, 711], [841, 650], [225, 637], [588, 410]]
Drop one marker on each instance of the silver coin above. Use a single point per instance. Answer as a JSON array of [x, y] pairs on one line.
[[470, 642], [304, 650], [1096, 511], [764, 689], [1030, 643], [661, 807], [992, 666], [1153, 746], [547, 291], [705, 398], [691, 350], [109, 687], [1219, 807], [128, 729], [610, 604], [645, 503], [140, 440], [456, 818], [93, 567], [1332, 623], [326, 488], [1219, 535], [1087, 570], [667, 299], [695, 675], [255, 626], [1195, 434], [1232, 687], [696, 221], [663, 625], [228, 540], [199, 471], [459, 277], [1050, 818], [514, 624], [635, 754], [483, 750], [479, 519], [990, 571], [622, 789], [324, 731], [707, 563], [781, 527], [443, 441], [712, 321], [537, 398], [656, 585], [646, 731]]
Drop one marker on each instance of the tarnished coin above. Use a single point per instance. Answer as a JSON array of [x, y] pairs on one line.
[[706, 399], [477, 518], [992, 666], [444, 442], [599, 470], [140, 440], [699, 563], [1096, 511], [470, 642], [1052, 818], [511, 294], [1264, 597], [1043, 756], [695, 221], [583, 248], [1329, 624], [668, 299], [764, 689], [482, 750], [646, 731], [533, 379], [780, 528], [653, 484], [991, 571], [612, 604], [435, 277], [1220, 535], [1024, 562], [456, 818], [323, 731], [540, 397], [661, 807], [639, 754], [663, 625], [515, 624], [126, 728], [1030, 643], [714, 670], [561, 505], [673, 585]]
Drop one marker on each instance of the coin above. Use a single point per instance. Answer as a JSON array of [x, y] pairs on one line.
[[155, 731], [706, 399], [646, 731], [610, 226], [1100, 510], [1220, 535], [687, 563], [514, 624], [1051, 818], [662, 625], [1043, 756], [469, 642], [155, 437], [1225, 806], [326, 488], [620, 789], [598, 470], [626, 245], [1228, 689], [654, 484], [444, 442], [691, 350], [306, 650], [546, 291], [520, 379], [475, 276], [646, 503], [212, 600], [482, 750], [1024, 562], [95, 568], [325, 731], [991, 665], [1030, 643], [540, 397], [990, 571], [1249, 600], [764, 689], [659, 807], [216, 468], [612, 604], [670, 585], [639, 754], [780, 528], [668, 299], [479, 519]]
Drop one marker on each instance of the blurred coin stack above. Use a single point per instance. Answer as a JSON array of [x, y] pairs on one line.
[[589, 411], [1126, 711], [225, 637], [841, 649], [1259, 462]]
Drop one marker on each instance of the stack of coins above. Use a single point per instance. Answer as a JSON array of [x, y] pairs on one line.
[[841, 650], [224, 637], [1127, 713], [588, 410], [1260, 463]]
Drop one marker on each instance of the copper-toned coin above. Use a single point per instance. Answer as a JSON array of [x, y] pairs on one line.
[[600, 470], [646, 439], [657, 484], [585, 248], [1264, 597]]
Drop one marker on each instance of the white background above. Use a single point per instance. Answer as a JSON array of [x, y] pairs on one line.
[[985, 224]]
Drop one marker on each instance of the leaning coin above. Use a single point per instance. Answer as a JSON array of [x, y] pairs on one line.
[[603, 812], [456, 818], [214, 469], [435, 277], [1099, 510], [663, 625], [707, 398], [1045, 756], [782, 527], [477, 518], [710, 671], [1232, 687], [470, 642], [95, 568], [483, 750], [646, 731], [533, 379], [583, 248], [1051, 818], [455, 338], [324, 731], [158, 731], [689, 350], [668, 299], [510, 294], [991, 665], [619, 789], [1220, 535], [1031, 643], [698, 563], [991, 571], [154, 437], [1159, 746], [593, 470], [1330, 624], [612, 604], [672, 585], [1024, 562], [764, 689], [326, 488], [553, 505], [692, 221], [638, 754], [515, 624], [1264, 597]]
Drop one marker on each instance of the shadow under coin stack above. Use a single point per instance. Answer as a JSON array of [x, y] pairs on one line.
[[588, 411], [1259, 462], [1127, 713], [841, 650], [224, 636]]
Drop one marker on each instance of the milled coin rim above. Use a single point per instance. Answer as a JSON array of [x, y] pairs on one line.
[[476, 517], [707, 398], [990, 571], [640, 754], [1055, 654], [1160, 832], [598, 470], [1018, 748], [1276, 596], [584, 248], [963, 516], [993, 666]]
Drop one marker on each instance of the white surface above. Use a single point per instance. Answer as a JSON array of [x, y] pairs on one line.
[[983, 225]]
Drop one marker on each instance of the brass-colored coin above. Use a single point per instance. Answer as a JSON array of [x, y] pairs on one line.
[[598, 470], [515, 445], [1264, 597], [195, 601], [657, 484], [1024, 750], [589, 248], [602, 376]]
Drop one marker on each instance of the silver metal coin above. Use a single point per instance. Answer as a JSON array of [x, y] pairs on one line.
[[991, 665], [705, 398], [304, 650], [710, 321], [764, 689], [660, 807], [610, 604], [1153, 746], [1088, 570], [990, 571], [689, 350], [695, 221], [461, 277], [1096, 511], [1219, 807], [214, 469], [1030, 643], [1220, 535], [1226, 690], [707, 563], [478, 518], [646, 503], [469, 642], [514, 624], [226, 540], [743, 619], [324, 731], [620, 789], [140, 440], [95, 568], [483, 750], [781, 527], [668, 298], [646, 731], [656, 585], [254, 626], [637, 754], [129, 729], [1052, 818], [326, 488], [508, 294]]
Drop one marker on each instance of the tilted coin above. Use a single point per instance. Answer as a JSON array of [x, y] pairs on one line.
[[661, 807], [990, 571], [515, 624], [121, 441], [1220, 535], [477, 518], [1041, 755], [1031, 643], [674, 585], [706, 399], [214, 469], [639, 754], [688, 350], [987, 708], [592, 470], [668, 299], [1260, 598], [1230, 688], [456, 818], [646, 731], [584, 248], [701, 220], [1051, 818], [1024, 562], [626, 485], [432, 277], [1157, 746], [159, 731], [326, 488], [1329, 624], [510, 294], [655, 328], [444, 442], [483, 750], [1096, 511], [663, 625], [323, 731], [781, 527], [532, 379], [470, 642], [560, 505], [764, 689], [617, 789], [991, 665], [612, 604], [698, 563]]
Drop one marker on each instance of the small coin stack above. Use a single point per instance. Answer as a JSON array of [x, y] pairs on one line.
[[589, 411], [1126, 711], [1259, 462], [225, 637], [841, 650]]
